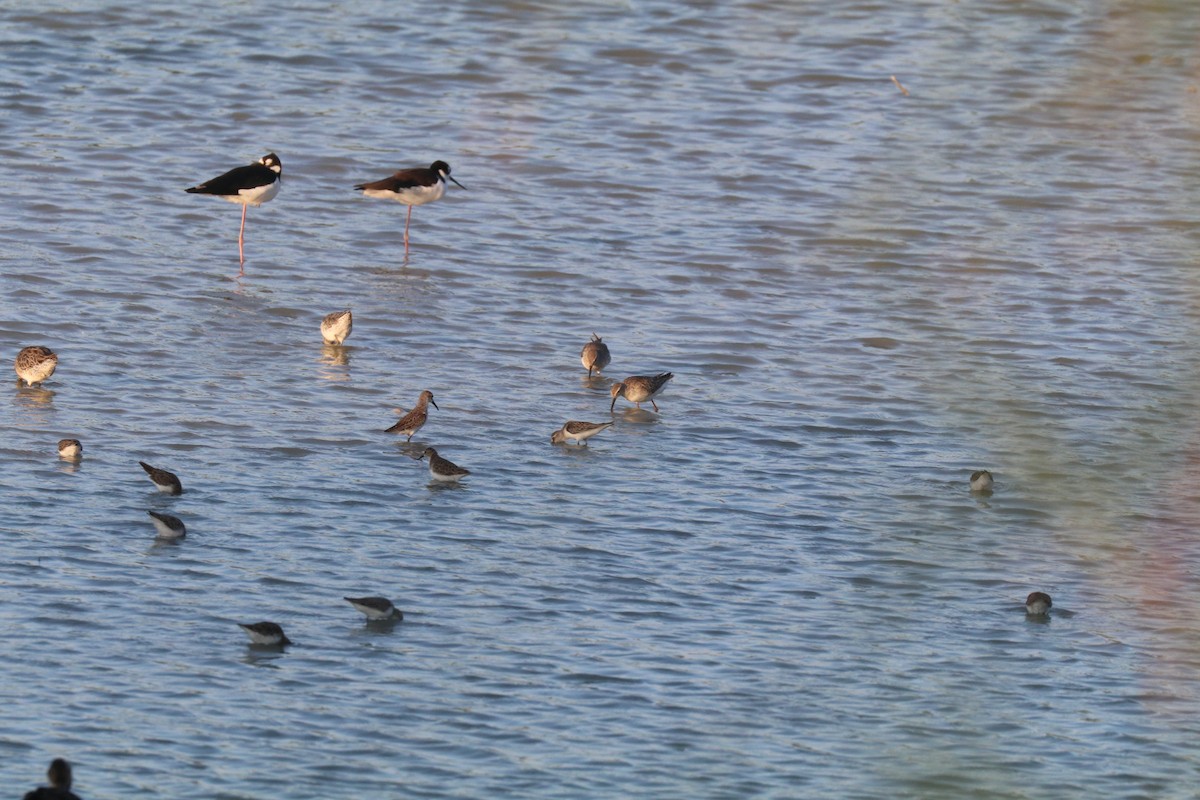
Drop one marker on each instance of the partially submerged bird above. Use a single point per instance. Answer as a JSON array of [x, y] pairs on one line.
[[1038, 604], [442, 469], [594, 355], [337, 326], [265, 633], [167, 482], [412, 187], [637, 389], [35, 364], [981, 481], [577, 431], [411, 422], [251, 185], [375, 608], [70, 449], [168, 527]]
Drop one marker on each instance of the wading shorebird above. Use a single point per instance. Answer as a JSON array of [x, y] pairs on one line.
[[70, 449], [35, 364], [442, 469], [167, 482], [251, 185], [577, 431], [594, 356], [412, 187], [411, 422], [168, 527], [1038, 604], [337, 326], [265, 633], [375, 608], [637, 389], [981, 481]]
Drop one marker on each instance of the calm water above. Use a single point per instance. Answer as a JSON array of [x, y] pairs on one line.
[[777, 587]]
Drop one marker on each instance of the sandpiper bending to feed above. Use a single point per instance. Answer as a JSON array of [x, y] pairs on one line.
[[595, 356], [411, 422], [1038, 604], [70, 449], [577, 431], [35, 364], [265, 633], [442, 469], [375, 608], [168, 527], [251, 185], [412, 187], [637, 389], [167, 482], [337, 326], [981, 481]]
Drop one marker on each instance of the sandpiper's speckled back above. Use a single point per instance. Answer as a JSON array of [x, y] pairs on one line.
[[35, 364], [595, 356]]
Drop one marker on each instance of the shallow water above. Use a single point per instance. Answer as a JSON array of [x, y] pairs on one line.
[[779, 585]]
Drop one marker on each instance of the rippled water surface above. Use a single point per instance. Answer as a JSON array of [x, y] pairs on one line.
[[778, 586]]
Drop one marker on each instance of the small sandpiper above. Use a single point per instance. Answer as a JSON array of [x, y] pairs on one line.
[[265, 633], [637, 389], [167, 482], [251, 185], [1038, 604], [411, 422], [577, 431], [168, 527], [981, 481], [594, 356], [412, 187], [336, 326], [70, 449], [442, 469], [35, 364], [375, 608]]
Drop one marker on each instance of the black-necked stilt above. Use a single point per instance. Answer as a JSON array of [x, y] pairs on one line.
[[251, 185], [412, 187]]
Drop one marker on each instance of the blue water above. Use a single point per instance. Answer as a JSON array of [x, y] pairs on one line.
[[779, 585]]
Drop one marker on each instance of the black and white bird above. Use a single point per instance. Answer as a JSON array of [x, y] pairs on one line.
[[412, 187], [251, 185], [269, 634], [375, 608], [167, 482], [168, 527]]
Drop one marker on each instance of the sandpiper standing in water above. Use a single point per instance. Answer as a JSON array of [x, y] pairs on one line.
[[337, 326], [981, 481], [412, 187], [70, 449], [265, 633], [168, 527], [577, 431], [595, 356], [411, 422], [442, 469], [1038, 604], [375, 608], [167, 482], [251, 185], [35, 364], [637, 389]]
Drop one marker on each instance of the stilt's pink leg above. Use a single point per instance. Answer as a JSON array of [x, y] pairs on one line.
[[407, 220], [242, 236]]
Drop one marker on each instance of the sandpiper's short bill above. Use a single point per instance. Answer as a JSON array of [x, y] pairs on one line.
[[411, 422]]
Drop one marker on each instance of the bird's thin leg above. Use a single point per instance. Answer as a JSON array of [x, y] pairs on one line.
[[407, 220], [654, 404], [242, 236]]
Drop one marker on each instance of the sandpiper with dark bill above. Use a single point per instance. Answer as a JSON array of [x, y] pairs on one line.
[[251, 185], [375, 608], [579, 432], [168, 527], [335, 327], [35, 364], [411, 422], [70, 449], [412, 187], [637, 389], [167, 482], [442, 469], [1038, 604], [981, 481], [265, 633], [595, 356]]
